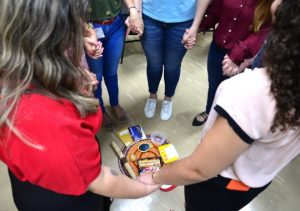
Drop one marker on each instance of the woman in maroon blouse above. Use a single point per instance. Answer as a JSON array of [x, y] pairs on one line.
[[47, 123], [242, 26]]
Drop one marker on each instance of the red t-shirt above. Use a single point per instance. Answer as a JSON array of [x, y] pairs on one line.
[[70, 156]]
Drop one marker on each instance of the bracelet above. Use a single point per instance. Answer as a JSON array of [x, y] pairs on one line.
[[154, 176]]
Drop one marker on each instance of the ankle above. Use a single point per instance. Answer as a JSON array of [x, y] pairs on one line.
[[153, 96], [168, 98]]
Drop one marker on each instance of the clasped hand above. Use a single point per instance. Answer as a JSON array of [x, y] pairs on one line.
[[134, 23], [147, 179], [230, 68], [189, 38]]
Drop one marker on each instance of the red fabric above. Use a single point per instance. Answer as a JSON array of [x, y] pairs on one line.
[[233, 32], [70, 158]]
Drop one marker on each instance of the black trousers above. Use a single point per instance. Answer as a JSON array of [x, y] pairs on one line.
[[212, 195], [29, 197]]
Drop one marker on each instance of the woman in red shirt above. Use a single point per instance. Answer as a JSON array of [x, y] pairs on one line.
[[242, 27], [47, 124]]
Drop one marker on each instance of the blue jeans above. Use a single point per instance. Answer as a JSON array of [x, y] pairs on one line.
[[107, 65], [258, 60], [215, 73], [164, 53]]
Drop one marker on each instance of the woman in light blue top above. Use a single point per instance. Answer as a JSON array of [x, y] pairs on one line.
[[170, 29]]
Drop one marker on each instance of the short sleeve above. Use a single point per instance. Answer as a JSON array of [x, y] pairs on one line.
[[69, 158], [247, 104]]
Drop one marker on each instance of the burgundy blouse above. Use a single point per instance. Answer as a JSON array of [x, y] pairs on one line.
[[234, 31]]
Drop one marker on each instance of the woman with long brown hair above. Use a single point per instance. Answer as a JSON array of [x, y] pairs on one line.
[[47, 123]]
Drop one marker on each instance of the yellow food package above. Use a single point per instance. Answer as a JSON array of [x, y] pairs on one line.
[[125, 137], [168, 153]]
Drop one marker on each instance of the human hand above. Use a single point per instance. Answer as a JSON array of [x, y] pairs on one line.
[[189, 38], [229, 67], [245, 64], [151, 188], [92, 84], [93, 47], [92, 78], [134, 23], [147, 178]]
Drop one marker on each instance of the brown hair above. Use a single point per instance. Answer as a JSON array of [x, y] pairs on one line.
[[35, 37], [282, 57], [262, 14]]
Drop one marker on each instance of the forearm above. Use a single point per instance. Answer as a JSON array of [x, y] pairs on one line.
[[182, 172], [134, 21], [132, 8], [216, 152], [200, 11], [110, 183], [138, 5], [129, 3]]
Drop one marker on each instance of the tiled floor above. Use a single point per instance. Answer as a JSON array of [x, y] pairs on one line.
[[283, 194]]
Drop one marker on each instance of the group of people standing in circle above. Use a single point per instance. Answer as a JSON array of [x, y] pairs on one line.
[[168, 30], [49, 119]]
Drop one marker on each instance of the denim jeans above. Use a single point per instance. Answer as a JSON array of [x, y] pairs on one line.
[[258, 60], [107, 65], [164, 53], [215, 72]]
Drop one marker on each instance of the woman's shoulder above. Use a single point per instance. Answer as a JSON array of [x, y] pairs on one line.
[[249, 82], [45, 111], [40, 105]]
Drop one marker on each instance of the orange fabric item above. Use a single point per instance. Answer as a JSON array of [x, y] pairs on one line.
[[237, 185]]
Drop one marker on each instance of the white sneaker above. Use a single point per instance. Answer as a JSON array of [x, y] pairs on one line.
[[166, 110], [150, 107]]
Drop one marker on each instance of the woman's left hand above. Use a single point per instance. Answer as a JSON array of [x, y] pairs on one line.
[[92, 48], [147, 179], [229, 67], [189, 38], [135, 23]]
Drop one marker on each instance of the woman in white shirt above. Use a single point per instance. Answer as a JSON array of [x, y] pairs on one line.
[[252, 132]]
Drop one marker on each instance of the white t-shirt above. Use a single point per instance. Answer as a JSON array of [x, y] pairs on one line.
[[247, 103]]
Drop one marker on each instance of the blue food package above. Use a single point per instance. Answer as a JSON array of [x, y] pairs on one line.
[[137, 133]]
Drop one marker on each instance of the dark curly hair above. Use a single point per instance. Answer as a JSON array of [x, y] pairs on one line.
[[282, 59]]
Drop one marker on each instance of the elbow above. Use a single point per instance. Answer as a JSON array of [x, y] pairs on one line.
[[197, 175], [201, 176]]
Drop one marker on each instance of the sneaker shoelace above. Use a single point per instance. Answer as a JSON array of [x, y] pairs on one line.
[[166, 105], [151, 104]]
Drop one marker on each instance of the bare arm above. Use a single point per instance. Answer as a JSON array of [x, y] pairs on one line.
[[138, 4], [200, 10], [134, 21], [189, 38], [219, 149], [110, 183]]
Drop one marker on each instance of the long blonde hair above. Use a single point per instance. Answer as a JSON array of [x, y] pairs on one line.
[[34, 38], [262, 14]]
